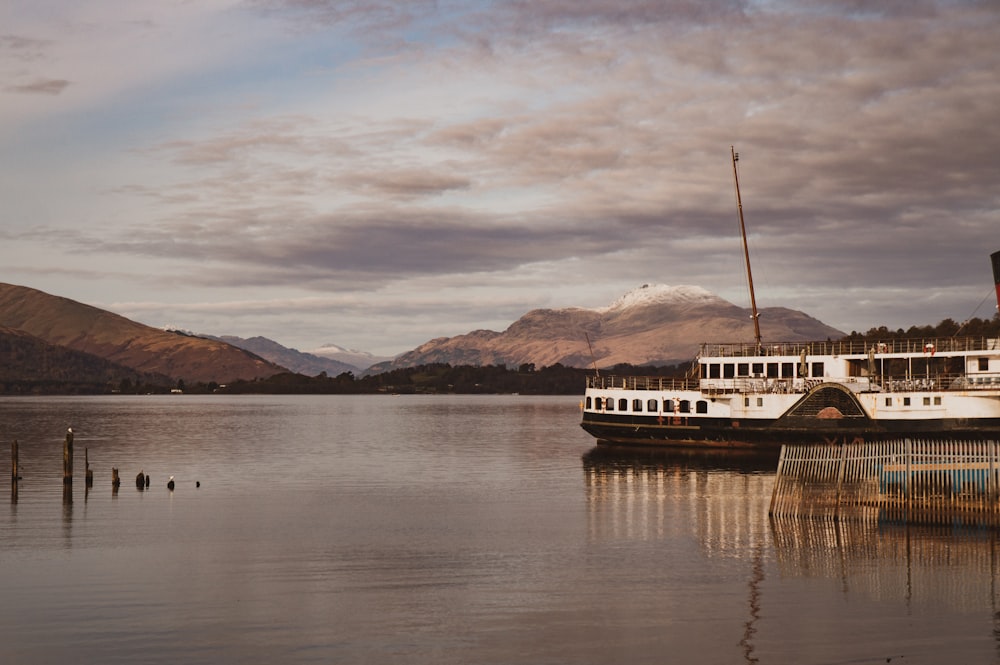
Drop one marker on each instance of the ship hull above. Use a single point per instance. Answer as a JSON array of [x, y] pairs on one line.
[[765, 434]]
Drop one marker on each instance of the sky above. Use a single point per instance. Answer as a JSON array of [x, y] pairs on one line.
[[375, 174]]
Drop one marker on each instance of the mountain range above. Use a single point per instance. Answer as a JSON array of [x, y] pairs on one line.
[[53, 338], [300, 362], [655, 324]]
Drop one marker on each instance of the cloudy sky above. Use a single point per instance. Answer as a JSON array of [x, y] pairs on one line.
[[376, 173]]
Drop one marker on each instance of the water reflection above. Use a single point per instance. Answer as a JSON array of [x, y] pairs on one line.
[[717, 499], [739, 460], [634, 493], [954, 566], [947, 575]]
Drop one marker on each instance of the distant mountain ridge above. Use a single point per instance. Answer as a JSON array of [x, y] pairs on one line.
[[360, 359], [297, 361], [147, 350], [655, 324]]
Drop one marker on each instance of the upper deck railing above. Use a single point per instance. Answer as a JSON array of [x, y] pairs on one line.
[[887, 384], [927, 346], [641, 382]]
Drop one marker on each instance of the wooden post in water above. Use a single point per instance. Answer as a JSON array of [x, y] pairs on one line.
[[88, 477], [14, 474], [68, 458]]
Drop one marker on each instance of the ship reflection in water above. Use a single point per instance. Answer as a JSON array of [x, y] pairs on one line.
[[635, 493], [826, 590]]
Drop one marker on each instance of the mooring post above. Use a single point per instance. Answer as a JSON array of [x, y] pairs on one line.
[[88, 475], [68, 457], [14, 472]]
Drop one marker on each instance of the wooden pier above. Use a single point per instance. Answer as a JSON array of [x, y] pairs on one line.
[[905, 480]]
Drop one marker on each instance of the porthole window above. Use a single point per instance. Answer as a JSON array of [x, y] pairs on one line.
[[701, 406], [637, 405], [623, 404], [651, 406]]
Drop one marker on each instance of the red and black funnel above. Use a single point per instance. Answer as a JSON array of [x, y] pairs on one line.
[[995, 258]]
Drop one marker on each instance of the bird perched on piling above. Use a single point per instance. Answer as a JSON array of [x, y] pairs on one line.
[[140, 480], [170, 484]]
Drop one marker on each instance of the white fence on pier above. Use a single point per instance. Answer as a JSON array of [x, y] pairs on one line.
[[920, 481]]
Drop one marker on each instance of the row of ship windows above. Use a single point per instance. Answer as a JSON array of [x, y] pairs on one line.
[[769, 370], [651, 405], [701, 406], [906, 401]]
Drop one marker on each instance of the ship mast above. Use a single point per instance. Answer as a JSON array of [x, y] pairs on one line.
[[746, 251]]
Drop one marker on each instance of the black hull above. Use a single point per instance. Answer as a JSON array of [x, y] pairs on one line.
[[771, 434]]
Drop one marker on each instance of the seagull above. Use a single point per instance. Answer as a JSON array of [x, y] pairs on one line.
[[170, 484]]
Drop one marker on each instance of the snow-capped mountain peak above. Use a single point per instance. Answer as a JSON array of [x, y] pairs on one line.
[[652, 294]]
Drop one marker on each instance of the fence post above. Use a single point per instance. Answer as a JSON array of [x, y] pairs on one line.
[[907, 480], [991, 482], [777, 480], [840, 480]]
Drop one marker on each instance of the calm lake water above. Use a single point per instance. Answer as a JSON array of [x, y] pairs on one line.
[[445, 529]]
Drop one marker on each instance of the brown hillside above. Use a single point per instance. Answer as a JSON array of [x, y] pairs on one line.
[[31, 365], [84, 328], [650, 326]]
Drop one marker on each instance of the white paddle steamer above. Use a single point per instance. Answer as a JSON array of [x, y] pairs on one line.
[[764, 395]]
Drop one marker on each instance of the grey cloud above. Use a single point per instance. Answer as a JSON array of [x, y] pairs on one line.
[[404, 183], [40, 87], [25, 49], [376, 248]]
